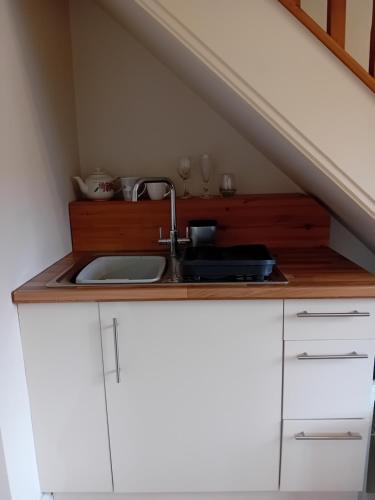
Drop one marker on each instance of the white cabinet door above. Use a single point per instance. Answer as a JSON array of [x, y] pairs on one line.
[[328, 378], [64, 370], [321, 455], [197, 407]]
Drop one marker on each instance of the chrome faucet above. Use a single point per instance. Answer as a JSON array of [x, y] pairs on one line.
[[173, 240]]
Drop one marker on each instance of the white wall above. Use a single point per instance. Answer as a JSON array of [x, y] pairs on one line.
[[38, 154], [345, 243], [357, 43], [358, 30], [317, 9], [4, 484], [283, 97], [135, 117]]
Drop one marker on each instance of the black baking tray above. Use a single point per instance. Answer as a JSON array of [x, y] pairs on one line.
[[250, 262]]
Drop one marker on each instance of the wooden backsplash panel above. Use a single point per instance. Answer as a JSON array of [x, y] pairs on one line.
[[277, 220]]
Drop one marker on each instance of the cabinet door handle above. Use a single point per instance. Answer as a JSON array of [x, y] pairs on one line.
[[333, 436], [117, 352], [350, 355], [351, 314]]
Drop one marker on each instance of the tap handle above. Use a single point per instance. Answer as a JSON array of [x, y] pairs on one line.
[[187, 237], [163, 240], [183, 240]]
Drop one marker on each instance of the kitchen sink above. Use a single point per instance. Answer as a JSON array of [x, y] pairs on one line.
[[122, 269], [147, 269]]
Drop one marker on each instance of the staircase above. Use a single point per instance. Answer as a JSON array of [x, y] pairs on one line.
[[334, 35], [278, 85]]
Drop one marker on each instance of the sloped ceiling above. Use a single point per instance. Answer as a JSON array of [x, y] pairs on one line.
[[269, 77]]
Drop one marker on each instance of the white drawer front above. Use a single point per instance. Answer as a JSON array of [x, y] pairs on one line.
[[326, 457], [319, 319], [317, 385]]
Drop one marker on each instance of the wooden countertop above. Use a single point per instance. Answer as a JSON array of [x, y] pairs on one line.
[[312, 273]]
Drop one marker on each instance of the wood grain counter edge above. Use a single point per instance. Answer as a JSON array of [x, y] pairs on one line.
[[312, 273]]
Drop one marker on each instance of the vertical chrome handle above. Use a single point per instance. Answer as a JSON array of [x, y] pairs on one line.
[[117, 352]]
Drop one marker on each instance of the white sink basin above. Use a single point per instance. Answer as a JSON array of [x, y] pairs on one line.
[[122, 269]]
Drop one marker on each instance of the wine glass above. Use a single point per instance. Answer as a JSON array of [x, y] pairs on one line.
[[184, 171], [206, 172], [228, 185]]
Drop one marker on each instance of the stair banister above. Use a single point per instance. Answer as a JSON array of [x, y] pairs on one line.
[[334, 37], [336, 20], [372, 43]]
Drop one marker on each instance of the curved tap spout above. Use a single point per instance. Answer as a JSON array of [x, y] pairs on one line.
[[173, 236]]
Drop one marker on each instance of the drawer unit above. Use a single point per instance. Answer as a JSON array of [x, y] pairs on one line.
[[318, 319], [323, 455], [328, 378]]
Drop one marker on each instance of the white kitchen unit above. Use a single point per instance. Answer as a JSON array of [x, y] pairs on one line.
[[185, 397], [328, 367], [64, 371], [194, 394]]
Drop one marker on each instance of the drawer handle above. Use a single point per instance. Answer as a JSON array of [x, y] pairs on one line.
[[350, 355], [334, 436], [116, 346], [352, 314]]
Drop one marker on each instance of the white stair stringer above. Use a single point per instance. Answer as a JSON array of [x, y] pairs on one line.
[[317, 125]]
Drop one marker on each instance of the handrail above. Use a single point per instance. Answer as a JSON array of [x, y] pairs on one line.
[[368, 79]]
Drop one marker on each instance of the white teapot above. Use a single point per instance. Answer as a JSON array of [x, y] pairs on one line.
[[97, 186]]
